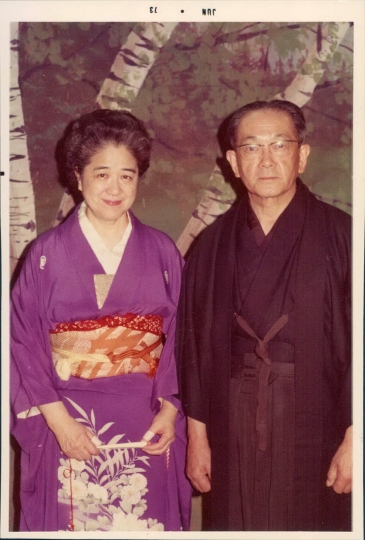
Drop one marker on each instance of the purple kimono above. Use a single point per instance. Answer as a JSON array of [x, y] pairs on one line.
[[123, 489]]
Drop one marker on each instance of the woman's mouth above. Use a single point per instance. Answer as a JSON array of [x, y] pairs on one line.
[[112, 203]]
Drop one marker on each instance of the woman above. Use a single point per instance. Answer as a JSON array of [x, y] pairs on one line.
[[93, 320]]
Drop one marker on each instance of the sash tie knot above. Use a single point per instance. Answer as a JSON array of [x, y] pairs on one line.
[[262, 351]]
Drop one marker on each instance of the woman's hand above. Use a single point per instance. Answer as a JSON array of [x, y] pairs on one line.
[[74, 439], [164, 425]]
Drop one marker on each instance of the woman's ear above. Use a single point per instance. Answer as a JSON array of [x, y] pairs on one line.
[[78, 178]]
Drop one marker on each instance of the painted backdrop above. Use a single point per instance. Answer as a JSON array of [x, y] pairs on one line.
[[183, 80]]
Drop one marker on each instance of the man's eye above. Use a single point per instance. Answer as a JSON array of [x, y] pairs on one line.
[[252, 148], [279, 145]]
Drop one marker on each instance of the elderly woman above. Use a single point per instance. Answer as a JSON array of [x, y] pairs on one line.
[[93, 370]]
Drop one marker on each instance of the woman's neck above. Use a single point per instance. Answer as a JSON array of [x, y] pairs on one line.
[[110, 231]]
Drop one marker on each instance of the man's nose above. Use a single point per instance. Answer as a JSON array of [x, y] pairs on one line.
[[266, 158]]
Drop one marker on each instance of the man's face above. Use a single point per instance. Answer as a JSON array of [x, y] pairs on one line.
[[266, 174]]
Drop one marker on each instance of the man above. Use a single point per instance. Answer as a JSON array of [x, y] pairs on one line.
[[264, 346]]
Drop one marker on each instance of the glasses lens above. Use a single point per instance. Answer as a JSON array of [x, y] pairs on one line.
[[277, 148]]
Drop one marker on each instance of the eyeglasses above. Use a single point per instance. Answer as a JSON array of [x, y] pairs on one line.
[[277, 148]]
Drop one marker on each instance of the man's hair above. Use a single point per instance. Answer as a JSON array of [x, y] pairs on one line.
[[286, 107], [93, 131]]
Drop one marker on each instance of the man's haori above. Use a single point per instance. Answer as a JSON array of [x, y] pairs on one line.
[[294, 290]]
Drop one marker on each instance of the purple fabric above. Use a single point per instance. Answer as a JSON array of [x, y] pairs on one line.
[[60, 288]]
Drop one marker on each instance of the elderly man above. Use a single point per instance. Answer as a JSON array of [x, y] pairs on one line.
[[264, 347]]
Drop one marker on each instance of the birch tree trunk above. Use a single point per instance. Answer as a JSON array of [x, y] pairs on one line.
[[127, 75], [217, 198], [132, 64], [299, 91], [22, 209], [22, 223]]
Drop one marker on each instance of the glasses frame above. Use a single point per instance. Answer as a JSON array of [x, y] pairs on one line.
[[261, 146]]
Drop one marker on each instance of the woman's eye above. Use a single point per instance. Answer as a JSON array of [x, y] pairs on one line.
[[102, 176]]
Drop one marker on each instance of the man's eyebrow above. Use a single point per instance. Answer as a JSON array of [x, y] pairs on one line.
[[258, 137]]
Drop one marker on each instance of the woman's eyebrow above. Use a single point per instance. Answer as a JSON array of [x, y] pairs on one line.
[[100, 167]]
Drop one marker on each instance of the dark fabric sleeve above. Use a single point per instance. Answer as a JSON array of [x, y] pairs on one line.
[[203, 323], [191, 386], [194, 327], [343, 318], [338, 366]]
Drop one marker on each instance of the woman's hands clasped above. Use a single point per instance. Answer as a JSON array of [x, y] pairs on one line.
[[163, 424], [78, 442], [74, 439]]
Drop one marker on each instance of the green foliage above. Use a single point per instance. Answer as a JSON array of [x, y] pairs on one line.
[[118, 33], [328, 175], [285, 40]]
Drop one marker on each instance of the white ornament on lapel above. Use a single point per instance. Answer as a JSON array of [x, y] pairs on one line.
[[42, 262]]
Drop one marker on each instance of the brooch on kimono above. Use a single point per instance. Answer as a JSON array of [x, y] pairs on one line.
[[42, 262]]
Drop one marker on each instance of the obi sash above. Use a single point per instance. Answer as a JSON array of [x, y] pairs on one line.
[[107, 347]]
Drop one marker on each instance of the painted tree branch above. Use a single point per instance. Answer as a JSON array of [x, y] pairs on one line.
[[22, 209], [299, 92]]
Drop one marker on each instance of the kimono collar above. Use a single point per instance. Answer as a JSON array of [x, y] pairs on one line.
[[108, 258]]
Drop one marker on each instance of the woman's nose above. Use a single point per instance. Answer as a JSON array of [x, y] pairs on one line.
[[114, 185]]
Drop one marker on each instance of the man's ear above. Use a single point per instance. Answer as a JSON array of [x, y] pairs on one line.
[[304, 152], [232, 158]]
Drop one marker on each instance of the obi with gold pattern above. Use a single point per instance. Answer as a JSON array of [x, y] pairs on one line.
[[107, 347]]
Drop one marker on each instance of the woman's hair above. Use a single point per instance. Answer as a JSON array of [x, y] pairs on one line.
[[93, 131], [293, 111]]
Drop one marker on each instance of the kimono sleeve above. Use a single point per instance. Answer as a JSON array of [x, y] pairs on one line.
[[31, 365], [165, 384]]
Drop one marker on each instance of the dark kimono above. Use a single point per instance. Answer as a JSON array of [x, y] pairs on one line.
[[122, 489], [299, 278]]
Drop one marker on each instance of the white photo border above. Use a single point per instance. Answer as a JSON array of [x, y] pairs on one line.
[[191, 11]]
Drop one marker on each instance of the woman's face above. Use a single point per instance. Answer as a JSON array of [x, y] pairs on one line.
[[109, 185]]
